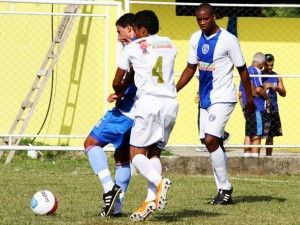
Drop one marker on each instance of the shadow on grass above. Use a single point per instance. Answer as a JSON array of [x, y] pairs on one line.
[[179, 215], [257, 198]]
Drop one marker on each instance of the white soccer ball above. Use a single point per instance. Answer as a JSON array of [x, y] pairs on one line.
[[44, 203]]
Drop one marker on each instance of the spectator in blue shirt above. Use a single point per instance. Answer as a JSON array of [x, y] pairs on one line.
[[255, 122], [273, 85]]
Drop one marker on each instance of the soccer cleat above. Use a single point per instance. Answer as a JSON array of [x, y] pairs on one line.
[[109, 200], [161, 193], [143, 211], [223, 197]]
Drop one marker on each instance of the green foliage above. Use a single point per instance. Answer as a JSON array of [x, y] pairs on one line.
[[257, 200], [167, 152], [281, 12]]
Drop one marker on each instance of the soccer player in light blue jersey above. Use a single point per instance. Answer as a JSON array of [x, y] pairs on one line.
[[114, 128], [215, 52]]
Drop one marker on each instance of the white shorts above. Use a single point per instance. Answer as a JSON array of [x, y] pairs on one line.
[[213, 119], [153, 122]]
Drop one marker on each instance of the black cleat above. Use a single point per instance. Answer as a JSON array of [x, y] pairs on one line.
[[109, 200], [223, 197]]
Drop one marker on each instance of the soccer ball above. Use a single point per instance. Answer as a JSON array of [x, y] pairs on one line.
[[44, 203]]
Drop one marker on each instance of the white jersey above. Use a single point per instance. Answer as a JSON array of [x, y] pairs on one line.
[[216, 57], [152, 59]]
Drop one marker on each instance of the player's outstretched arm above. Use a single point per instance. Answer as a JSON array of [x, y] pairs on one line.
[[186, 76], [245, 79]]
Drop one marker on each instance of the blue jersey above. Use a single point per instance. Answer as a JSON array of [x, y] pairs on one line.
[[272, 94], [127, 101], [257, 82], [216, 56]]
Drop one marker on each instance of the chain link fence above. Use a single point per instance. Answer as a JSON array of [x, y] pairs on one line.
[[75, 95], [74, 98], [260, 28]]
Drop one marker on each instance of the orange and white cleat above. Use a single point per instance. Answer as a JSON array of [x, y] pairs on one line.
[[143, 211], [161, 193]]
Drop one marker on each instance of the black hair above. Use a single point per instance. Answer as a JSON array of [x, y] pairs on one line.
[[269, 57], [148, 20], [206, 6], [125, 20]]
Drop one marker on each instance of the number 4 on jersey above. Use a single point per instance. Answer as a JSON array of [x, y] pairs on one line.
[[157, 70]]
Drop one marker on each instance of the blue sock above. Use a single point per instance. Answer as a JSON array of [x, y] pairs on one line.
[[122, 178], [97, 159]]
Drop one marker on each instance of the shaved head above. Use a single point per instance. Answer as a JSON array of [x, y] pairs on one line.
[[207, 7]]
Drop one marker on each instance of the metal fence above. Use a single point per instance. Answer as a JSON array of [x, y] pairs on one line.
[[266, 28], [74, 99]]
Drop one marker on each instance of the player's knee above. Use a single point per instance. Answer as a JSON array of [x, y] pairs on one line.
[[212, 143], [122, 156]]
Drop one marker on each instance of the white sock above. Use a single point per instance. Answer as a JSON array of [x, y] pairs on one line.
[[255, 154], [144, 166], [215, 175], [216, 179], [219, 165], [106, 180], [151, 194]]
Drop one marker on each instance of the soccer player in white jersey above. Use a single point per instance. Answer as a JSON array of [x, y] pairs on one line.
[[215, 52], [152, 58]]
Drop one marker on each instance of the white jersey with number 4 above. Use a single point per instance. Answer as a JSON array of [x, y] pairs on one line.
[[152, 59]]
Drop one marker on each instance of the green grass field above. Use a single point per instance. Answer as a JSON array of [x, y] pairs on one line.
[[257, 200]]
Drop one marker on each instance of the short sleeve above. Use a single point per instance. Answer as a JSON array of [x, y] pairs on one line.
[[124, 62], [235, 52], [192, 57]]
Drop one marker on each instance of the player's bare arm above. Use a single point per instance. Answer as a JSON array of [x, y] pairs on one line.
[[118, 84], [186, 76], [245, 79]]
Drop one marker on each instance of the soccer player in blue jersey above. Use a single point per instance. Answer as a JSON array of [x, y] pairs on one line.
[[274, 85], [256, 121], [215, 52], [114, 128]]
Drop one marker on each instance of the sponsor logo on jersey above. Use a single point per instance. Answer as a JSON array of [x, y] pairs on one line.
[[161, 42], [143, 46], [204, 66], [205, 48]]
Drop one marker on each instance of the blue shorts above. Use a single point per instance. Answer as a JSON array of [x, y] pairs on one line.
[[113, 128]]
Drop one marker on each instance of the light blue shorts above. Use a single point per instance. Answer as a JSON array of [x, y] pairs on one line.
[[113, 128]]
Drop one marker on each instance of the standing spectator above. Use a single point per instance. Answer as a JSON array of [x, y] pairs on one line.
[[274, 85], [215, 52], [152, 58], [255, 121]]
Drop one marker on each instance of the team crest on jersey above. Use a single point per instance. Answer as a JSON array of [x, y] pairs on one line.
[[143, 46], [212, 117], [205, 48]]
